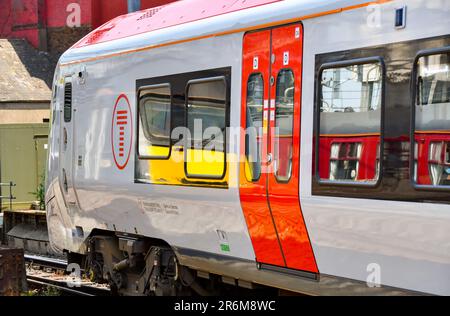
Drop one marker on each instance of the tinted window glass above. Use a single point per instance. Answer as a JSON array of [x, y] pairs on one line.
[[350, 123], [434, 79], [355, 88], [254, 126], [284, 118], [206, 121], [154, 129], [206, 108], [432, 121]]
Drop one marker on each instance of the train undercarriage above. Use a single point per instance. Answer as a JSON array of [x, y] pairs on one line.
[[134, 266]]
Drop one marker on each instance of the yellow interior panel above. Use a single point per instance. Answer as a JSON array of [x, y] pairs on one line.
[[171, 171]]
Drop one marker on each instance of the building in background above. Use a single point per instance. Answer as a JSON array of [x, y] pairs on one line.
[[55, 25], [25, 78]]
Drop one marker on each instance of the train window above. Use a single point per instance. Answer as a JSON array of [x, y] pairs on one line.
[[68, 102], [154, 127], [254, 126], [206, 122], [284, 119], [349, 120], [433, 80], [439, 163], [344, 160], [432, 118]]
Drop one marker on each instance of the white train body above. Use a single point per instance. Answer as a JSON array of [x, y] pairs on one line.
[[401, 243]]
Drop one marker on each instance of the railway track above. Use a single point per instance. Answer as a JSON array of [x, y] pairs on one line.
[[52, 272]]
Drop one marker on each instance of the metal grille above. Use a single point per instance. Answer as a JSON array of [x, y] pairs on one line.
[[149, 13], [68, 102]]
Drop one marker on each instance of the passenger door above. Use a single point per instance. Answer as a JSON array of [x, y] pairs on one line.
[[269, 173]]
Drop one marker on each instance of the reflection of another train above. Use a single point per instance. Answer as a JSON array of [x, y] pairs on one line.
[[350, 124]]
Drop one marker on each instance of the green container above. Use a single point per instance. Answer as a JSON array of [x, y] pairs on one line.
[[23, 157]]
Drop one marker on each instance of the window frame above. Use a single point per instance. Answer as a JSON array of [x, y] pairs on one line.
[[138, 117], [285, 181], [262, 122], [188, 142], [414, 95], [341, 64]]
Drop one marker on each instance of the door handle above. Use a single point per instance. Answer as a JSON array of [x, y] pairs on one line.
[[269, 158]]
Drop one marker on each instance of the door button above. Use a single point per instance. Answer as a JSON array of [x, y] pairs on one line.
[[269, 158]]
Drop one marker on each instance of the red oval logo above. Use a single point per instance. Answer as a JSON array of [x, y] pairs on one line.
[[122, 132]]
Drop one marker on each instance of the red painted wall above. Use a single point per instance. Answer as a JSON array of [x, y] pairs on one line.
[[56, 12], [17, 19], [22, 18], [106, 10], [24, 12], [146, 4]]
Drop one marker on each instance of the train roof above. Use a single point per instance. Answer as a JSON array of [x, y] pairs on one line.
[[165, 16], [187, 20]]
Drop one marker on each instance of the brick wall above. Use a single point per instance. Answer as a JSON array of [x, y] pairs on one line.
[[60, 39]]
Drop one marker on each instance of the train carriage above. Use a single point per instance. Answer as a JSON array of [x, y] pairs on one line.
[[299, 145]]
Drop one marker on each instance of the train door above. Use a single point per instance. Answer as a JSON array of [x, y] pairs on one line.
[[269, 176], [66, 146]]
